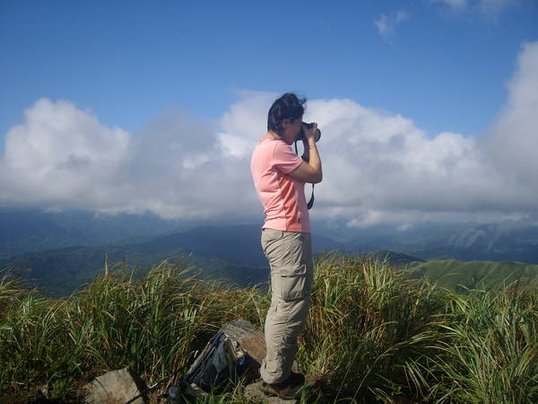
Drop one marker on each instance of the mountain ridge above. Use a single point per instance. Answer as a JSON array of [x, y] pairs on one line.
[[61, 251]]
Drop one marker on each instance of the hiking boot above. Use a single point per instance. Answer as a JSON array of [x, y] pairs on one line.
[[287, 389], [295, 378]]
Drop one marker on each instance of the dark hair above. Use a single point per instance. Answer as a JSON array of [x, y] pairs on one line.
[[288, 106]]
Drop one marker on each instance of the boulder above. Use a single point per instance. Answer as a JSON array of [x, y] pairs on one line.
[[251, 340], [118, 386]]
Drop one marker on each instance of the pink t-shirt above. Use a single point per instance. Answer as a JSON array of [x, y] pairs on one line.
[[282, 197]]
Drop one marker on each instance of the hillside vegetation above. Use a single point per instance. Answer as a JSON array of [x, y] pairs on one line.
[[372, 335], [487, 275]]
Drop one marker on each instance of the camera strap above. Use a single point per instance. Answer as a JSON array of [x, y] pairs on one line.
[[311, 201]]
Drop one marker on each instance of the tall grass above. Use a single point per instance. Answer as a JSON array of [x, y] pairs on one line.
[[372, 335], [366, 322], [487, 349], [152, 325]]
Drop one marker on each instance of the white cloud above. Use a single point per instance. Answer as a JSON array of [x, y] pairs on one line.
[[175, 166], [454, 4], [243, 123], [487, 8], [378, 166], [512, 142], [386, 24], [60, 154]]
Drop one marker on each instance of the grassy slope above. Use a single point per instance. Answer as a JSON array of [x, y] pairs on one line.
[[372, 335], [457, 275]]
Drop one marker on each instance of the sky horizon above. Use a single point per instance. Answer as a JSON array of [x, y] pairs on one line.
[[428, 108]]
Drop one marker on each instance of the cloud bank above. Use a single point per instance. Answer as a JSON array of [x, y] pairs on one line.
[[378, 166]]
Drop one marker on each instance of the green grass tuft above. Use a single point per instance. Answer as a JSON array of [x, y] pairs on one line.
[[372, 335]]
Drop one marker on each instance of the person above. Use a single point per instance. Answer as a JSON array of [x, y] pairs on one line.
[[279, 177]]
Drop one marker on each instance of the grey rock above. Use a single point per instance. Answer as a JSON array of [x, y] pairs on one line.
[[252, 341], [118, 386]]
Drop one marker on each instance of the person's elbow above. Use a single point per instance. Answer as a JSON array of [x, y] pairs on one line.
[[317, 178], [307, 173], [314, 176]]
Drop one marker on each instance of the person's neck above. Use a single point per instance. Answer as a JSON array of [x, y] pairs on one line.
[[276, 136]]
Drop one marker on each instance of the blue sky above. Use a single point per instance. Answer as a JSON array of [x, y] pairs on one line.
[[96, 96]]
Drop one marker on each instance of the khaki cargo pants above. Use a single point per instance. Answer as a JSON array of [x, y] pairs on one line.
[[290, 258]]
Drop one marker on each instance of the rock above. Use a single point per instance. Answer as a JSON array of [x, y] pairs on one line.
[[118, 386], [251, 340]]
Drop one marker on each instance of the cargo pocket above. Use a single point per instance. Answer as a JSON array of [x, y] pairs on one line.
[[292, 282]]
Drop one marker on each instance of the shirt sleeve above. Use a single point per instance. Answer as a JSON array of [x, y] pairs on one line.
[[284, 159]]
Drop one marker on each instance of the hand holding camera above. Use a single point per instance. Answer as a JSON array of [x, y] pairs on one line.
[[309, 130]]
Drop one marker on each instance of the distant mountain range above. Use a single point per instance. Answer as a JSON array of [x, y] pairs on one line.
[[228, 252], [61, 251], [32, 230], [461, 241]]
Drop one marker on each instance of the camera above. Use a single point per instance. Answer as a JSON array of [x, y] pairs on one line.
[[317, 134]]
